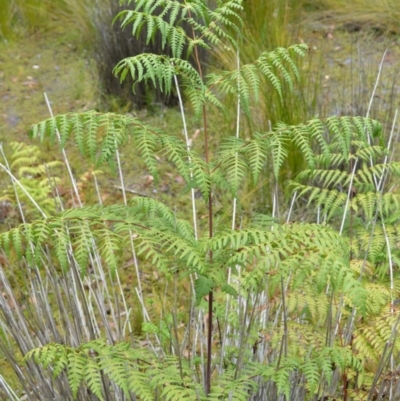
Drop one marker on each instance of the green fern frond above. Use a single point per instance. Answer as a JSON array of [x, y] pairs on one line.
[[279, 151], [75, 232], [257, 153], [245, 81], [371, 336], [327, 178], [160, 69], [171, 35], [28, 166], [231, 163], [76, 371], [208, 26], [367, 152], [286, 246], [108, 132], [136, 371], [329, 200]]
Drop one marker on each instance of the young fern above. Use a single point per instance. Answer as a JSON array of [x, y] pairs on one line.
[[300, 273], [356, 170], [299, 251]]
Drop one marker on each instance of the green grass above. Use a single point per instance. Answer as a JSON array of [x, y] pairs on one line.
[[53, 63], [381, 16], [19, 18]]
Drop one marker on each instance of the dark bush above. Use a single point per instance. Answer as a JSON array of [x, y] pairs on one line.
[[112, 44]]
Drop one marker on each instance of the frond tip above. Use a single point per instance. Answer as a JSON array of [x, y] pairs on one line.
[[136, 371], [99, 135]]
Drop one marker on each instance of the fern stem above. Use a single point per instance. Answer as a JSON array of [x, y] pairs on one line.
[[78, 289], [237, 136], [346, 206], [176, 345], [185, 132], [370, 105], [21, 211], [96, 185], [233, 226], [121, 177], [209, 341], [15, 180], [284, 317], [64, 153], [375, 88], [388, 147], [291, 207], [7, 388], [210, 234]]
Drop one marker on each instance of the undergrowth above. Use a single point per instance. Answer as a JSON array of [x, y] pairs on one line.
[[297, 304]]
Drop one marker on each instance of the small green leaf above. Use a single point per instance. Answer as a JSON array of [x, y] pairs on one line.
[[203, 286], [228, 289]]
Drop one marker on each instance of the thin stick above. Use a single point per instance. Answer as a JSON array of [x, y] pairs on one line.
[[369, 142], [227, 307], [15, 180], [185, 132], [13, 183], [64, 153]]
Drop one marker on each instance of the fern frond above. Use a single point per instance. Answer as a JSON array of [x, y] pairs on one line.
[[160, 69], [74, 233], [286, 246], [257, 153], [208, 26], [109, 131], [279, 151], [171, 35], [231, 162], [245, 81], [76, 370], [136, 371]]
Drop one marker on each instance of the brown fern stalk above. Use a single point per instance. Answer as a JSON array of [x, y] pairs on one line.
[[210, 232]]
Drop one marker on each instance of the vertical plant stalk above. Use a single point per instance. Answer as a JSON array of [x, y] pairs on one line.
[[370, 104], [16, 181], [228, 298], [64, 153], [13, 184], [194, 209], [7, 388], [237, 137], [121, 177], [210, 234], [75, 277], [185, 132], [369, 141], [379, 184], [138, 289], [210, 231], [211, 293], [379, 188]]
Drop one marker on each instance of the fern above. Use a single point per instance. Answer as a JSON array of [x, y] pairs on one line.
[[34, 184], [246, 81], [284, 294]]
